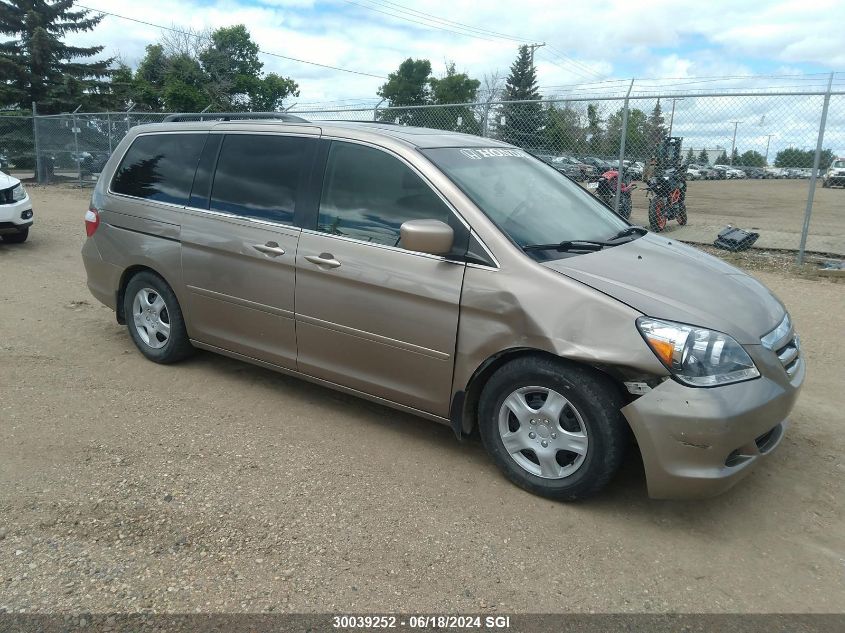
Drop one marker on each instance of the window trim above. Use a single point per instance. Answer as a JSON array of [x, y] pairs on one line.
[[110, 191]]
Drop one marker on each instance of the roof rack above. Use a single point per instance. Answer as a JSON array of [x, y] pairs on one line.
[[232, 116]]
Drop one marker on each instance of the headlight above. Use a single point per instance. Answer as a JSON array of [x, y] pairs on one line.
[[18, 193], [696, 356]]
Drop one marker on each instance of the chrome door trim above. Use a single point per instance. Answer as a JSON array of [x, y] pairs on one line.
[[375, 338], [245, 303]]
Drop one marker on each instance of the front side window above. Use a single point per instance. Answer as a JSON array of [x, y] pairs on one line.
[[528, 200], [257, 176], [368, 194], [159, 167], [839, 164]]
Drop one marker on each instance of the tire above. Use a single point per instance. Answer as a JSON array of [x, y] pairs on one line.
[[682, 214], [588, 418], [146, 321], [16, 238], [656, 216]]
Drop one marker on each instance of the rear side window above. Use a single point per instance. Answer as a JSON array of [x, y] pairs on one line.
[[159, 167], [368, 194], [257, 176]]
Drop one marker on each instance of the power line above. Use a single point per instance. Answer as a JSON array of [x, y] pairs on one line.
[[175, 30], [483, 31], [401, 12]]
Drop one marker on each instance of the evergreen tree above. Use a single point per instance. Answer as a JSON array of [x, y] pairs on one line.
[[723, 158], [690, 156], [36, 65], [523, 122], [704, 157], [735, 156]]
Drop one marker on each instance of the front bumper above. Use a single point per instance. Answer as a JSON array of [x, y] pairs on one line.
[[16, 216], [699, 442]]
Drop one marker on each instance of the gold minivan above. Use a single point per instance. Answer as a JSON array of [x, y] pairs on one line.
[[451, 276]]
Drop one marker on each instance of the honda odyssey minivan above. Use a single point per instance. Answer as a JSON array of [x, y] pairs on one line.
[[451, 276]]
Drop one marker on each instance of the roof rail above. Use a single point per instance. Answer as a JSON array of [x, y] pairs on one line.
[[232, 116]]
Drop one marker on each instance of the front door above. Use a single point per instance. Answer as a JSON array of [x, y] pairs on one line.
[[371, 315]]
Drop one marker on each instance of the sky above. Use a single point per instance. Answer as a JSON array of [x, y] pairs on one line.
[[597, 43]]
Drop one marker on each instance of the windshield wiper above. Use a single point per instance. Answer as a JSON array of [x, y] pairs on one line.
[[568, 245], [630, 230]]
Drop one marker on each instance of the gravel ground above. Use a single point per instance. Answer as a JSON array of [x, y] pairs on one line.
[[217, 486]]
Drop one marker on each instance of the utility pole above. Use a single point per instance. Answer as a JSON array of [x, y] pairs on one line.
[[672, 117], [768, 140], [533, 47], [733, 143]]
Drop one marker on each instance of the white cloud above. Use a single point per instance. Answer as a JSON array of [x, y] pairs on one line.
[[619, 37]]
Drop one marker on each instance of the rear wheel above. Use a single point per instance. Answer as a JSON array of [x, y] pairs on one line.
[[656, 215], [17, 238], [552, 427], [155, 320], [682, 213]]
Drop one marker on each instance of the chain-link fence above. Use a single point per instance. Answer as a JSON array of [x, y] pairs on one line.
[[744, 158]]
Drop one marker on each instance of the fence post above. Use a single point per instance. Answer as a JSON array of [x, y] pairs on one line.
[[38, 171], [622, 148], [375, 110], [108, 122], [76, 146], [812, 192]]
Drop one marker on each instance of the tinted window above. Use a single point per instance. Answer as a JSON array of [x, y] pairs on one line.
[[159, 167], [368, 194], [257, 176]]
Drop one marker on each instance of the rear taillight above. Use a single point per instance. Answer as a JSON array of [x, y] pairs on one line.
[[92, 221]]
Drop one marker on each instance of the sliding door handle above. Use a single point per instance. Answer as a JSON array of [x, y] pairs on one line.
[[270, 248], [323, 259]]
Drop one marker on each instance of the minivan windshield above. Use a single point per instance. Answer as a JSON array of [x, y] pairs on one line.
[[527, 199]]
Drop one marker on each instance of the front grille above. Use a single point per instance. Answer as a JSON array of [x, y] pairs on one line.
[[784, 342], [790, 356]]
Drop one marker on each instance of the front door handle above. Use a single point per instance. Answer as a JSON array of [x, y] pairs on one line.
[[270, 248], [323, 259]]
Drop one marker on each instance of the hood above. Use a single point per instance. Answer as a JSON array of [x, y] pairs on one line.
[[665, 279], [7, 181]]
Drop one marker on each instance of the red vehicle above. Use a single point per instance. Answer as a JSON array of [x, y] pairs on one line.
[[606, 191]]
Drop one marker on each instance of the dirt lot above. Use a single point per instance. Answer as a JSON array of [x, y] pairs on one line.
[[217, 486], [773, 208]]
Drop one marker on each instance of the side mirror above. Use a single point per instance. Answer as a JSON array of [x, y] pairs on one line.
[[427, 236]]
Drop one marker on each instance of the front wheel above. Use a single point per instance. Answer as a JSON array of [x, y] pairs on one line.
[[656, 215], [553, 428], [155, 320]]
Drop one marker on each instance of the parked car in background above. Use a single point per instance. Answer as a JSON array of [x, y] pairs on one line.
[[634, 169], [735, 174], [567, 168], [835, 174], [600, 164], [694, 174], [4, 163], [775, 172], [721, 172], [15, 210], [756, 173], [588, 172]]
